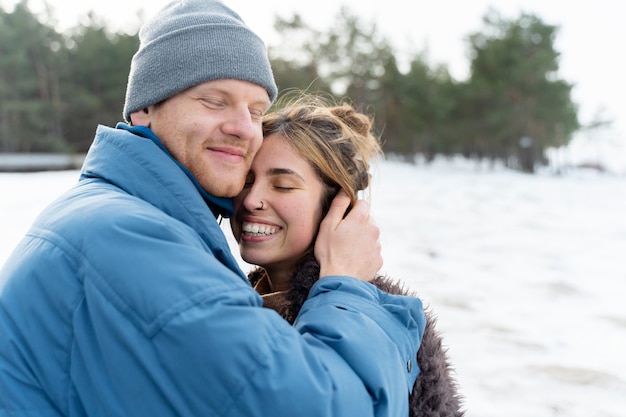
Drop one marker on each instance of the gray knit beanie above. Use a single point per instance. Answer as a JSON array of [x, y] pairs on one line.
[[189, 42]]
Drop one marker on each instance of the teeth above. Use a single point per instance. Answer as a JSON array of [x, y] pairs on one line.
[[259, 229]]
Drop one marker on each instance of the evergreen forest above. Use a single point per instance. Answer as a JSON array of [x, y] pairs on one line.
[[56, 87]]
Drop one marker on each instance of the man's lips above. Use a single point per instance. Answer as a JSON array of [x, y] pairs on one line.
[[228, 153]]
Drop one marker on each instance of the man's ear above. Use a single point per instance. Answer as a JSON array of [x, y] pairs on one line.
[[140, 117]]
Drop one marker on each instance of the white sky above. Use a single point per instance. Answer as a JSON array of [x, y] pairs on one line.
[[590, 38]]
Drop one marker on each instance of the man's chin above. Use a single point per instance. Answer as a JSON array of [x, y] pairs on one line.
[[223, 189]]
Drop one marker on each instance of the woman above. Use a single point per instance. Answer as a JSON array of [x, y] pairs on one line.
[[311, 150]]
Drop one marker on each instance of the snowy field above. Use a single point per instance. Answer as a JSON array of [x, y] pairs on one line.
[[527, 275]]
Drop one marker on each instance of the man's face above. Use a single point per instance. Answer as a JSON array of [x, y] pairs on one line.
[[213, 129]]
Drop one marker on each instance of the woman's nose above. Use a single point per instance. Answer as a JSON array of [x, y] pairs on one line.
[[254, 199]]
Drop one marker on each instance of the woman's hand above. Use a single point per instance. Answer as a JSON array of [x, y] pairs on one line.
[[350, 245]]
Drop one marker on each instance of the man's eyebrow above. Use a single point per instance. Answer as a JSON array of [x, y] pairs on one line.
[[284, 171]]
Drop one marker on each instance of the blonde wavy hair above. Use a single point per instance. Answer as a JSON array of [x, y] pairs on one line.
[[336, 139]]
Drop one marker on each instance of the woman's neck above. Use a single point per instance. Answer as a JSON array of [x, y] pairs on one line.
[[279, 274], [278, 278]]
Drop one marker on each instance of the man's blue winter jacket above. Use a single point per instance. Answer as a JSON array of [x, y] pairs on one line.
[[123, 299]]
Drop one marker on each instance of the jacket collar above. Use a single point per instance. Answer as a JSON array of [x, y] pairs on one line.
[[219, 205], [137, 165]]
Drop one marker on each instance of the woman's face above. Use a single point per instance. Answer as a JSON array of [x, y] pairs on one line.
[[277, 233]]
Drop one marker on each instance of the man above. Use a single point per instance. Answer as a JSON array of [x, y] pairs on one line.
[[124, 300]]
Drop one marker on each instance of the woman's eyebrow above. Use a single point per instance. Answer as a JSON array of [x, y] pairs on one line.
[[284, 171]]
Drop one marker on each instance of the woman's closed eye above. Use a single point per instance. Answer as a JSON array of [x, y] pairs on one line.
[[284, 188]]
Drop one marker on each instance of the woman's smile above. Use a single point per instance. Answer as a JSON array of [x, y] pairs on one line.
[[258, 229]]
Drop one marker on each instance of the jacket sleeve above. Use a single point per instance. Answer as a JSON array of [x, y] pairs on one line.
[[167, 329], [379, 335]]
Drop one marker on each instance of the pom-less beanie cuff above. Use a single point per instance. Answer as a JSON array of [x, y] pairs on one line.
[[190, 42]]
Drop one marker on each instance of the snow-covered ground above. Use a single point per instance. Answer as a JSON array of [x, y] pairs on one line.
[[526, 273]]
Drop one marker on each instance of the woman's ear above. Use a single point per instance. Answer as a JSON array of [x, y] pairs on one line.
[[327, 198], [140, 117]]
